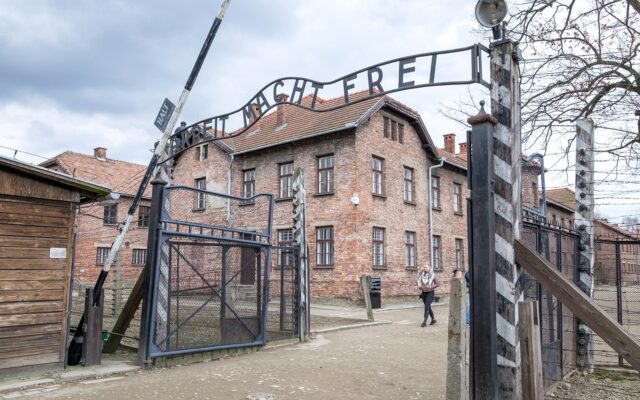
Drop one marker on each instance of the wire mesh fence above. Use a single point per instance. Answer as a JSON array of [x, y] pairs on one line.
[[558, 245], [282, 318], [616, 290]]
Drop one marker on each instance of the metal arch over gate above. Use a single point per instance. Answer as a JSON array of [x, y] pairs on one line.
[[411, 72], [209, 285]]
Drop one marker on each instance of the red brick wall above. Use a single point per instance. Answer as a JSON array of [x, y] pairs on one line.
[[530, 187], [322, 210], [391, 212], [92, 233], [352, 224]]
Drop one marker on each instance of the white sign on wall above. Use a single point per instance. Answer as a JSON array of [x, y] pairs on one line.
[[57, 252]]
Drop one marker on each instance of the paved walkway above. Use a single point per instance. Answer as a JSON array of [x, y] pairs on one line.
[[397, 360]]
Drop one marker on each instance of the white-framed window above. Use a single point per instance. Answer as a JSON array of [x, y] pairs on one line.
[[435, 192], [378, 247], [459, 254], [324, 246], [286, 173], [377, 176], [325, 174], [138, 256], [410, 249], [144, 213], [248, 183], [102, 253], [408, 184], [201, 183], [285, 256], [110, 216], [457, 198], [437, 253]]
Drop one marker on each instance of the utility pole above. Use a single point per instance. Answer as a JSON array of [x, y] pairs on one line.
[[165, 121]]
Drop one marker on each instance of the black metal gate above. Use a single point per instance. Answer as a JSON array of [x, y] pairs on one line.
[[559, 245], [212, 260], [284, 289]]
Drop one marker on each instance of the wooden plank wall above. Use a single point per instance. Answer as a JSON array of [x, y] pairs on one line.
[[34, 288]]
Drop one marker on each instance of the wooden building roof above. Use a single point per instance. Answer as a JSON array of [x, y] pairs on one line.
[[88, 190]]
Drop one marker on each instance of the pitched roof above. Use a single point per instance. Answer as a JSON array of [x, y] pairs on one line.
[[453, 159], [120, 176], [617, 231], [88, 190], [301, 123], [563, 196]]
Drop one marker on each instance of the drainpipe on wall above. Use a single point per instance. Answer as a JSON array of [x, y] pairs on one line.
[[231, 157], [431, 210]]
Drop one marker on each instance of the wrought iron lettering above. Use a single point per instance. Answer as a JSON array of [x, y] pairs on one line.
[[414, 71]]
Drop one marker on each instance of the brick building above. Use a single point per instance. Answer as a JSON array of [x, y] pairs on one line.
[[97, 224], [629, 248], [450, 192], [366, 168], [560, 212], [561, 207]]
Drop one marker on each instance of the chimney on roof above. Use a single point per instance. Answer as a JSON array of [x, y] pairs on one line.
[[450, 143], [463, 150], [281, 117], [100, 153], [255, 113]]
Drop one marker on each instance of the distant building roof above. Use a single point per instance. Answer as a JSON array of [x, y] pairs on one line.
[[299, 123], [563, 197], [120, 176], [615, 231], [88, 190]]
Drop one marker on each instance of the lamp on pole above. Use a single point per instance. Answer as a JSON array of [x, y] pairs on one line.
[[497, 215]]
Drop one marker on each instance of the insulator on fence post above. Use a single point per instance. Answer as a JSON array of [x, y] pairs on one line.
[[583, 219]]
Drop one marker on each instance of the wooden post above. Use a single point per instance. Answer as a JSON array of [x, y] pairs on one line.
[[300, 241], [125, 317], [626, 344], [456, 363], [529, 332], [117, 293], [365, 281], [92, 327]]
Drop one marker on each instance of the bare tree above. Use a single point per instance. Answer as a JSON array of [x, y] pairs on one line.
[[580, 60]]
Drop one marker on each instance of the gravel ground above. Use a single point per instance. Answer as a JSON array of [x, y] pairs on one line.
[[399, 360], [597, 386]]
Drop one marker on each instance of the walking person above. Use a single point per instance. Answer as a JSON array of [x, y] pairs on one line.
[[427, 283]]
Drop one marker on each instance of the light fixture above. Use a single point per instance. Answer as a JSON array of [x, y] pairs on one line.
[[490, 13], [109, 199]]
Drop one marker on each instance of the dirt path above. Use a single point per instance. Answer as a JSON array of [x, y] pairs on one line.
[[400, 360]]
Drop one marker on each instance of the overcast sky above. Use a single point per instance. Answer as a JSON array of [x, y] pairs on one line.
[[79, 74]]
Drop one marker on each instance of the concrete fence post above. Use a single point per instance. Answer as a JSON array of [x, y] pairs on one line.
[[365, 281], [456, 363]]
